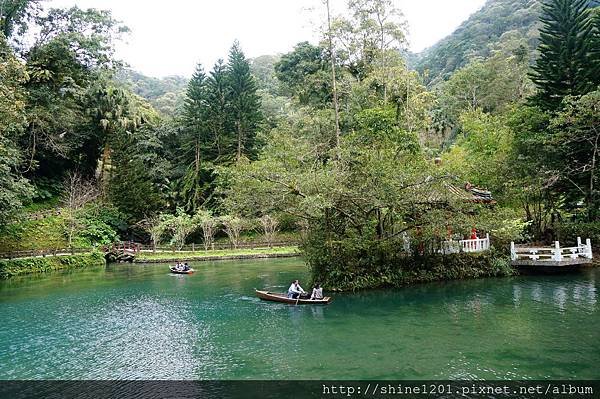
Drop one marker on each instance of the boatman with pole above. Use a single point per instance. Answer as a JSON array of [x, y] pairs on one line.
[[295, 290]]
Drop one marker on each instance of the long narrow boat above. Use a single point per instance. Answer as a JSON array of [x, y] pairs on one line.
[[173, 270], [276, 297]]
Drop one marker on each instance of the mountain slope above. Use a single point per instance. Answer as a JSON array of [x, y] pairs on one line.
[[482, 31]]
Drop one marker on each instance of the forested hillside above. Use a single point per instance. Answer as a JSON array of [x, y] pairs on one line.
[[497, 22], [165, 94]]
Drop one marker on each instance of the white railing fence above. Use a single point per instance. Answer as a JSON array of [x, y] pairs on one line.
[[471, 245], [555, 253]]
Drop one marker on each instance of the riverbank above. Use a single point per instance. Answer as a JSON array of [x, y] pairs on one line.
[[15, 267], [226, 254]]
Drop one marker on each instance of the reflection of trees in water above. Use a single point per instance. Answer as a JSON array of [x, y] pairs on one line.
[[559, 291], [475, 295]]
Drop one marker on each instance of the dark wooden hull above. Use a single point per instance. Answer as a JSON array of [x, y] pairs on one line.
[[175, 271], [282, 298]]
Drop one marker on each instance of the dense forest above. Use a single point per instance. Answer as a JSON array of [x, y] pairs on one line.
[[338, 142]]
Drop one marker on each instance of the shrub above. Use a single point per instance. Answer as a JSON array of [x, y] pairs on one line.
[[569, 231], [15, 267], [355, 264]]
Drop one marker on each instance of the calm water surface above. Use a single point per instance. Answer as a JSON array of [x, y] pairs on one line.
[[140, 322]]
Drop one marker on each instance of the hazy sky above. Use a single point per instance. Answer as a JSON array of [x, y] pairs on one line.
[[170, 38]]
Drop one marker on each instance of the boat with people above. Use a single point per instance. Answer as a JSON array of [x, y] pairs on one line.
[[283, 298], [181, 268], [174, 270]]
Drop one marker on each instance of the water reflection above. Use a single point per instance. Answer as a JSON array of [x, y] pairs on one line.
[[317, 311], [131, 322], [558, 293]]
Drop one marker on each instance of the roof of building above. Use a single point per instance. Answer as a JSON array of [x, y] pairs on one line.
[[470, 193], [445, 190]]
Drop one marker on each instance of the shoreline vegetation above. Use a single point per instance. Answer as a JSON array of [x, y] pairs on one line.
[[16, 267], [212, 255]]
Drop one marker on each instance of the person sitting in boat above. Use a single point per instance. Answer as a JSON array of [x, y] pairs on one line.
[[179, 266], [186, 267], [295, 290], [317, 292]]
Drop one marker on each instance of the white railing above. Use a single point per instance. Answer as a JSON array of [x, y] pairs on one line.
[[471, 245], [555, 253]]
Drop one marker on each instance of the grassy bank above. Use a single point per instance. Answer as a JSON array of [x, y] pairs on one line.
[[216, 254], [15, 267]]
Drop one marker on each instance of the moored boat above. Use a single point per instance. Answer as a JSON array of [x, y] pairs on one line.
[[283, 298], [174, 270]]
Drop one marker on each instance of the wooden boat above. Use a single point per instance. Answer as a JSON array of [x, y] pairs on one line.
[[174, 270], [277, 297]]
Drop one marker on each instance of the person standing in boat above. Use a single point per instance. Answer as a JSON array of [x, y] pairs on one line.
[[295, 290], [317, 292]]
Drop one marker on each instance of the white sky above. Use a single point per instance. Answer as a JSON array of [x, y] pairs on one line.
[[171, 37]]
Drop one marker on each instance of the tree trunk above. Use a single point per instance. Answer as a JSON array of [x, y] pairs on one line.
[[239, 141], [590, 201], [334, 83]]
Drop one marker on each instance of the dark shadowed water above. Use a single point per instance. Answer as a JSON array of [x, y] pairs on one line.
[[140, 322]]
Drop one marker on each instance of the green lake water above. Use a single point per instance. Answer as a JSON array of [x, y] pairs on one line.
[[140, 322]]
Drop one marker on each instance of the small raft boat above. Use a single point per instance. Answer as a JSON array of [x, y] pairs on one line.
[[174, 270], [276, 297]]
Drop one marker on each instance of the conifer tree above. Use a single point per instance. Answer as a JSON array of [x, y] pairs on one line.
[[218, 114], [245, 103], [197, 141], [564, 66]]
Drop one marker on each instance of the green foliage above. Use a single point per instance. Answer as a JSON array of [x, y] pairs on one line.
[[101, 224], [303, 75], [489, 84], [14, 15], [480, 154], [568, 232], [181, 226], [566, 64], [244, 103], [16, 267], [350, 265], [378, 125], [257, 253], [47, 233], [263, 70], [221, 118], [576, 143], [15, 190], [373, 30], [98, 224], [132, 183]]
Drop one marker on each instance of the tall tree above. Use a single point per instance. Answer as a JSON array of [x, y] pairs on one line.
[[218, 113], [14, 188], [304, 74], [14, 14], [379, 25], [198, 141], [245, 103], [336, 107], [564, 66], [577, 139], [71, 52]]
